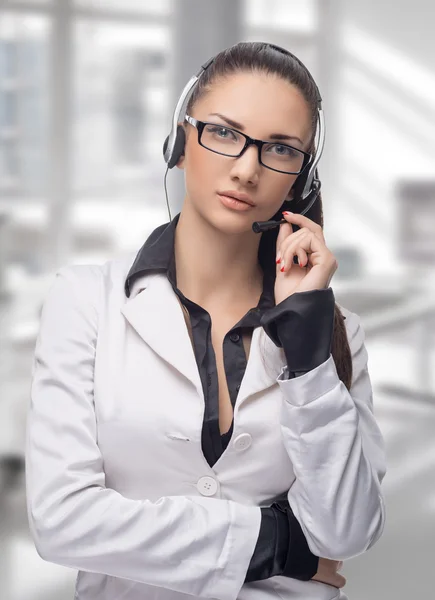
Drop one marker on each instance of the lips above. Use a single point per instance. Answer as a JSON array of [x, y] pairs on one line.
[[241, 196]]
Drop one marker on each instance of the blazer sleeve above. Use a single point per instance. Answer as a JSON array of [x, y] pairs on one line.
[[190, 544], [330, 433]]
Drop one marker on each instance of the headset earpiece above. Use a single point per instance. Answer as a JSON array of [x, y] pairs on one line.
[[179, 144], [300, 203]]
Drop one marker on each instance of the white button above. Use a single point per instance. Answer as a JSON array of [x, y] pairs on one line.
[[242, 441], [207, 486]]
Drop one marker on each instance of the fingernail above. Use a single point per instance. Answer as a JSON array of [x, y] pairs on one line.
[[287, 212], [278, 260], [282, 268], [300, 264]]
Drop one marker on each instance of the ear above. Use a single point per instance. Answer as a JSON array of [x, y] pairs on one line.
[[290, 195], [287, 204]]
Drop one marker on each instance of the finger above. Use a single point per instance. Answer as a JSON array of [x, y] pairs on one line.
[[334, 579], [299, 250], [284, 231], [317, 248], [291, 249], [303, 221], [286, 241], [300, 247], [302, 257], [291, 238], [299, 259]]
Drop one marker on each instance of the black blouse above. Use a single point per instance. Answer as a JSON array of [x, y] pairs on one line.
[[302, 325]]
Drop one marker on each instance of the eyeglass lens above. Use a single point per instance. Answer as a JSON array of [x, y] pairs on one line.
[[274, 155]]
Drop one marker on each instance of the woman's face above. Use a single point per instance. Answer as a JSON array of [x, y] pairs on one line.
[[262, 105]]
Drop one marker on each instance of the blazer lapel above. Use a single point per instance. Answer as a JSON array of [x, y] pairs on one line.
[[154, 311], [264, 365]]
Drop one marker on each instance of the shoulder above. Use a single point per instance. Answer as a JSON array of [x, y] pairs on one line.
[[87, 276], [116, 267], [89, 284]]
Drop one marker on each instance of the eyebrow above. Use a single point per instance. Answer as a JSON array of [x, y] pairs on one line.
[[274, 136]]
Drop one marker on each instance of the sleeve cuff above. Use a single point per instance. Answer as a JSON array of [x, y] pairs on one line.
[[303, 326], [267, 559], [281, 547], [300, 563]]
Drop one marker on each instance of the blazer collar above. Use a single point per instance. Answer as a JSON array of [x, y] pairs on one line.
[[157, 254]]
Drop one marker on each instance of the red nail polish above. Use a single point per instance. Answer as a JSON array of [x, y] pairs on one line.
[[285, 212], [282, 269], [278, 261]]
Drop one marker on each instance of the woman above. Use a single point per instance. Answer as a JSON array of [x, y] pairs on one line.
[[201, 420]]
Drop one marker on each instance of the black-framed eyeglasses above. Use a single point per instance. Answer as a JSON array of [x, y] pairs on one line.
[[230, 142]]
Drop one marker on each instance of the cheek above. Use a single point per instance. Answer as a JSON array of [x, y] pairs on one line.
[[278, 188], [276, 194], [203, 170]]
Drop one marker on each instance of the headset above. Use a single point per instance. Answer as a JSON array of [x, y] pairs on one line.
[[307, 185]]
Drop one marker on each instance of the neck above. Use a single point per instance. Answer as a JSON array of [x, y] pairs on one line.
[[214, 268]]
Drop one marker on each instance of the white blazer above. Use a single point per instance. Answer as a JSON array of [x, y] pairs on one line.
[[117, 484]]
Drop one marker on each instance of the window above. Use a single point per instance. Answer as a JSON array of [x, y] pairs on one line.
[[121, 111], [23, 103]]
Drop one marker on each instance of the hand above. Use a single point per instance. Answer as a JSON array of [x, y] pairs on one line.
[[327, 572], [308, 243]]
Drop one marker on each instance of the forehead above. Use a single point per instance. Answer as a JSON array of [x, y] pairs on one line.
[[263, 103]]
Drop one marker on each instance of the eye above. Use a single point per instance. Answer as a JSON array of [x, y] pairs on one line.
[[222, 132], [282, 150]]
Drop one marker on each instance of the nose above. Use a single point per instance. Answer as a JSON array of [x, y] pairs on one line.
[[246, 168]]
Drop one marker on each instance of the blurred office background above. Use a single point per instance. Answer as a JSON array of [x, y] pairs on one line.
[[87, 90]]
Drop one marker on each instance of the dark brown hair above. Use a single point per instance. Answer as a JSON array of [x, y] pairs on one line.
[[262, 58]]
